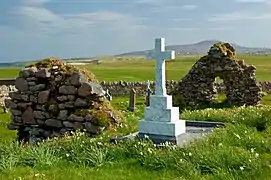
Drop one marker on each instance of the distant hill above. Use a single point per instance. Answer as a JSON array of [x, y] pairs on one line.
[[195, 48], [201, 48]]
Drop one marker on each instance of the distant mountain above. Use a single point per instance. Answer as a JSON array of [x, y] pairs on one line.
[[202, 48], [195, 48]]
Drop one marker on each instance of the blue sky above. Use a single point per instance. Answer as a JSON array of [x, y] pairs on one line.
[[34, 29]]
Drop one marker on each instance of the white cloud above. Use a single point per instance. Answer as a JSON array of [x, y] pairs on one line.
[[34, 2], [150, 2], [239, 16], [189, 7], [47, 22], [219, 28], [264, 2], [181, 19], [167, 4], [183, 29], [39, 30], [251, 1]]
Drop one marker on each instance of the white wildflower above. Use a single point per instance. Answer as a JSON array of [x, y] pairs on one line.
[[256, 155], [242, 168], [146, 136], [237, 135]]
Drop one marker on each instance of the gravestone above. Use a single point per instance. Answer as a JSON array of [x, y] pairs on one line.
[[132, 100], [107, 95], [161, 120]]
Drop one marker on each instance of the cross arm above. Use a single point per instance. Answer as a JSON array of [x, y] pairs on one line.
[[161, 55]]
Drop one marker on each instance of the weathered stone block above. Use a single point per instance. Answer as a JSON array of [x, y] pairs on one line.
[[74, 117], [43, 97], [62, 98], [33, 99], [63, 115], [43, 73], [69, 104], [10, 104], [21, 84], [61, 106], [16, 112], [38, 87], [80, 102], [53, 123], [78, 125], [24, 105], [68, 124], [38, 115], [68, 90], [76, 79], [90, 88], [28, 116], [15, 95]]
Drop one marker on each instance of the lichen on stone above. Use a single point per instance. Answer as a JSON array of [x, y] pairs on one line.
[[63, 68]]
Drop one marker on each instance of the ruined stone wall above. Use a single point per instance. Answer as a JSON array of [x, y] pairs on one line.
[[123, 88], [53, 98], [197, 87]]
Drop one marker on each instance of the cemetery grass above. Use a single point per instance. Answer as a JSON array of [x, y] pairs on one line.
[[242, 150], [142, 70]]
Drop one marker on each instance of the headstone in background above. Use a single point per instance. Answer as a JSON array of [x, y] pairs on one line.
[[132, 100], [107, 95]]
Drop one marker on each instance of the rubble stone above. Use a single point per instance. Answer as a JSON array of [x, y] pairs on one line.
[[197, 87], [47, 103]]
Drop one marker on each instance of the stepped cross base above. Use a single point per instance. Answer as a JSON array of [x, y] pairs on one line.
[[161, 121]]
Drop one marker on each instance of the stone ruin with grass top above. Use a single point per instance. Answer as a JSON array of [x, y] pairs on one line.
[[197, 87], [54, 98]]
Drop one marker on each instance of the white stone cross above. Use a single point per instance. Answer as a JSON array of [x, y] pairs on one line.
[[159, 54]]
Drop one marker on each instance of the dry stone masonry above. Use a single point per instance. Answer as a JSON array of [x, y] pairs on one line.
[[197, 87], [54, 98], [123, 88]]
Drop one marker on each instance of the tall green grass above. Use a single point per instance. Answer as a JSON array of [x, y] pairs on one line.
[[239, 151]]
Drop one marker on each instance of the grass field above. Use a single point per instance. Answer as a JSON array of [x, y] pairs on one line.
[[141, 70], [240, 151]]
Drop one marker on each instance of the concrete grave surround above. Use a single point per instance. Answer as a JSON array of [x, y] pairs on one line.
[[161, 121]]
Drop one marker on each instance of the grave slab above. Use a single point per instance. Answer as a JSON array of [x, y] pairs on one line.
[[194, 130]]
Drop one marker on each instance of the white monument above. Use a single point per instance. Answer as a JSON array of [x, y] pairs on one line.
[[161, 121]]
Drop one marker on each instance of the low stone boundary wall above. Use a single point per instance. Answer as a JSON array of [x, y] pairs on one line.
[[122, 88]]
